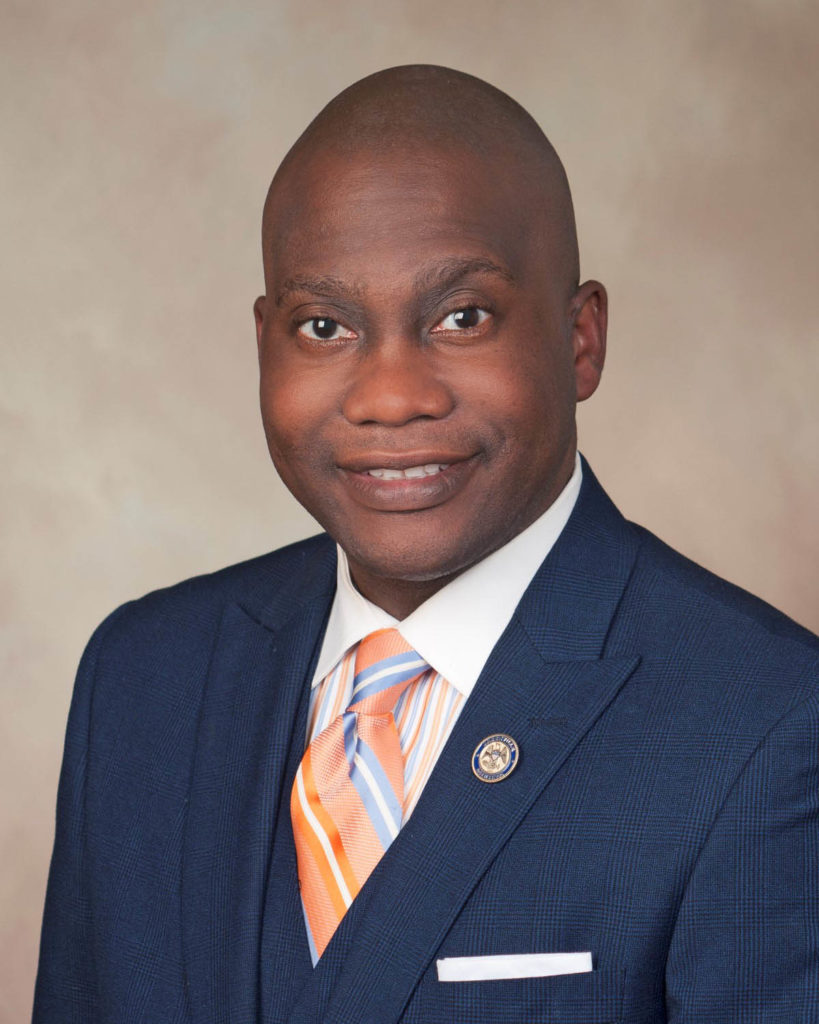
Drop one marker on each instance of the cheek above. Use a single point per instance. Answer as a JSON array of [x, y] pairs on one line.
[[297, 412], [541, 398], [524, 405], [293, 406]]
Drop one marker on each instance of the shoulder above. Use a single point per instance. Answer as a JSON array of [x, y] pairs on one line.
[[696, 624], [682, 583], [185, 616]]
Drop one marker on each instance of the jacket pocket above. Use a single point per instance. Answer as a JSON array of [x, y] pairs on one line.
[[595, 997]]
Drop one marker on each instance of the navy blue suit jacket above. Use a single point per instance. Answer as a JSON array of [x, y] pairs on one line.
[[663, 815]]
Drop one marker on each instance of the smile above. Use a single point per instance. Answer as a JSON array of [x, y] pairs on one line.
[[410, 473], [407, 483]]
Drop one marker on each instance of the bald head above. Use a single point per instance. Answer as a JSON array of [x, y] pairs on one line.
[[423, 110], [422, 101]]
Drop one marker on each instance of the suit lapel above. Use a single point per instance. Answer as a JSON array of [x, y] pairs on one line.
[[545, 684], [254, 703]]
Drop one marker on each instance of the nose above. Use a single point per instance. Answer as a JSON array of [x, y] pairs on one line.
[[394, 384]]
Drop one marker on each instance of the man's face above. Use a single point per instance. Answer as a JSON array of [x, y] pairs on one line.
[[420, 358]]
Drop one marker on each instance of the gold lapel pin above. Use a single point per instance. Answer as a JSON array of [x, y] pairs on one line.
[[495, 757]]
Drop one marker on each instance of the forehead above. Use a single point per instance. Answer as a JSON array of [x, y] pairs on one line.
[[374, 213]]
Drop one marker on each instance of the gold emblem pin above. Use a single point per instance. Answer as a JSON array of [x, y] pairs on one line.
[[495, 757]]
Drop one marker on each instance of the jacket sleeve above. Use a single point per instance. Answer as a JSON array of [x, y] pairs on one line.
[[745, 945], [65, 991]]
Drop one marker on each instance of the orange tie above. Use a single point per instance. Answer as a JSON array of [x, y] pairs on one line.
[[348, 795]]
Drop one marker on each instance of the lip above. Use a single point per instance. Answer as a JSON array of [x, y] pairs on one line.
[[401, 460], [406, 494]]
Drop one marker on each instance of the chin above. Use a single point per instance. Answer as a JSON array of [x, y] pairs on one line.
[[422, 562]]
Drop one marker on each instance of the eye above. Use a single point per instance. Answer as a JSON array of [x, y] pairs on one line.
[[463, 319], [324, 328]]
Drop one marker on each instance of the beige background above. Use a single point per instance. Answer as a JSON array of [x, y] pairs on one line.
[[138, 140]]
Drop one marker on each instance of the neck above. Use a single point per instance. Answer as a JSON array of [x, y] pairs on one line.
[[398, 598]]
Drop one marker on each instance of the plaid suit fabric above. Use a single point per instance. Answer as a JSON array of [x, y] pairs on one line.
[[663, 814]]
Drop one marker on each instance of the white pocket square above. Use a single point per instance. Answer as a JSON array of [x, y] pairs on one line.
[[512, 965]]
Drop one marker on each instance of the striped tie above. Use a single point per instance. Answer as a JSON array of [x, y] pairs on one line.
[[347, 800]]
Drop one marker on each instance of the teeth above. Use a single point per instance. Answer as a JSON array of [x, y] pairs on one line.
[[411, 473]]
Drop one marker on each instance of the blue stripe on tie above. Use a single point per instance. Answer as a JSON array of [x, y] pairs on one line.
[[311, 944], [396, 659], [348, 724], [398, 676], [385, 791], [385, 787]]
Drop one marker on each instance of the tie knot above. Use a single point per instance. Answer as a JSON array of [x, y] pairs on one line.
[[385, 665]]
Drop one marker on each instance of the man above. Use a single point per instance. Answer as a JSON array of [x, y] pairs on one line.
[[501, 756]]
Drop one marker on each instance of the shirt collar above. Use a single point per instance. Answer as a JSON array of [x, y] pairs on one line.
[[455, 629]]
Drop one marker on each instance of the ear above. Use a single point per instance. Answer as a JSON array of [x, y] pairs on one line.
[[258, 314], [589, 320]]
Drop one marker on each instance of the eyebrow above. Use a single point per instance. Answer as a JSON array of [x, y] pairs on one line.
[[326, 287], [439, 277], [449, 271]]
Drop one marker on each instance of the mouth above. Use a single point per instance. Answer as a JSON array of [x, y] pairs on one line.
[[410, 473], [407, 483]]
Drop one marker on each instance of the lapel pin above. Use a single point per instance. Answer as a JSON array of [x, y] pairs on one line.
[[495, 757]]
